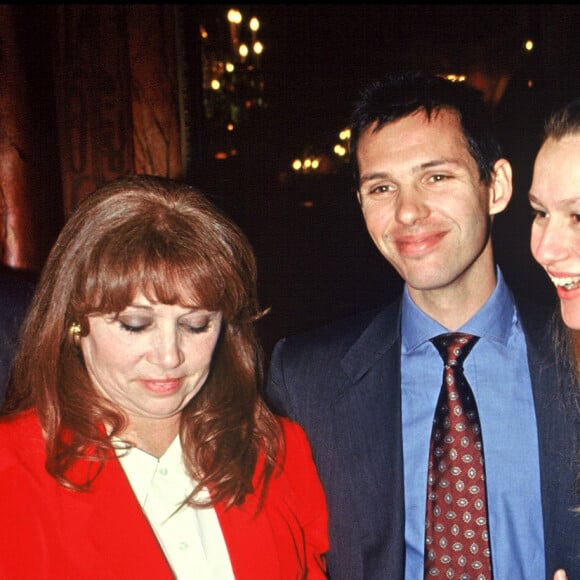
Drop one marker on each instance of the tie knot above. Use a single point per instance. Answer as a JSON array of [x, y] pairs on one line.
[[454, 347]]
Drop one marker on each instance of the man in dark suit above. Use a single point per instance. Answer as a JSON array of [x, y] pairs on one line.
[[15, 294], [430, 178]]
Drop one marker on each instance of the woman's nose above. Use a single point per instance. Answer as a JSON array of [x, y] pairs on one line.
[[548, 244], [166, 349]]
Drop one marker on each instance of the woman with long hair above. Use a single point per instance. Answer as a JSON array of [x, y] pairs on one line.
[[134, 441], [555, 241]]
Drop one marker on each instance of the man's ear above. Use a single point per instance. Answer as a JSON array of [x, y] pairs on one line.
[[501, 187]]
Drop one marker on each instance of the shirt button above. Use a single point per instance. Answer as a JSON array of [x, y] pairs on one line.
[[163, 471], [183, 546]]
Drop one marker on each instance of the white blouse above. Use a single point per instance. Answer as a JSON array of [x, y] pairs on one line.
[[191, 538]]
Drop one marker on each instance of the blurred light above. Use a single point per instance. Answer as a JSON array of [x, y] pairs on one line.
[[297, 165], [254, 24], [529, 45], [234, 16], [232, 79], [530, 83], [344, 135], [315, 164], [307, 163], [456, 78], [308, 204], [340, 150]]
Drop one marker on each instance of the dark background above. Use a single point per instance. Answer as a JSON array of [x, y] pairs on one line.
[[316, 261]]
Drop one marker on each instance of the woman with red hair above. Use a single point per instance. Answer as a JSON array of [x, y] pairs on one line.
[[134, 441]]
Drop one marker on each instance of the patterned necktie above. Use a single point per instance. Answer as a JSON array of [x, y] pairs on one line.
[[457, 536]]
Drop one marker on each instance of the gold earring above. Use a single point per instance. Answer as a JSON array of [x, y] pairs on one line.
[[75, 333]]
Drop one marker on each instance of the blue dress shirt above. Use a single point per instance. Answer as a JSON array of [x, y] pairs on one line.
[[497, 370]]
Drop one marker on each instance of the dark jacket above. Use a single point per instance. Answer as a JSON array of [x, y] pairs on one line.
[[15, 295], [342, 384]]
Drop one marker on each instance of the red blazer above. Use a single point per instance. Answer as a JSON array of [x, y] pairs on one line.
[[51, 533]]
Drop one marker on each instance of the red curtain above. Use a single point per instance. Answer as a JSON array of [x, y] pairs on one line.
[[106, 102], [19, 179]]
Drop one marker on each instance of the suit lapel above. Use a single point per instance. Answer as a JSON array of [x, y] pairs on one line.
[[378, 339], [373, 365]]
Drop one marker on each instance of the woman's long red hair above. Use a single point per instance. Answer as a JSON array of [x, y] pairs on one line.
[[164, 238]]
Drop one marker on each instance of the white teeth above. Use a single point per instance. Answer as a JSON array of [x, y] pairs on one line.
[[567, 283]]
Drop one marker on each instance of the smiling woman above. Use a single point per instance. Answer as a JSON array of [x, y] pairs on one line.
[[555, 200], [134, 441], [555, 236], [555, 239]]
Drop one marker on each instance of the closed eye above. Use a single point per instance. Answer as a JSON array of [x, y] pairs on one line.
[[133, 328], [195, 329], [189, 328]]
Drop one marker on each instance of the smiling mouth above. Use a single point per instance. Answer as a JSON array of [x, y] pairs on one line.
[[162, 386], [418, 244], [566, 283]]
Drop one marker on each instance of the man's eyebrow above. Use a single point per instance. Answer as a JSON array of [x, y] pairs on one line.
[[434, 163], [417, 169], [374, 175]]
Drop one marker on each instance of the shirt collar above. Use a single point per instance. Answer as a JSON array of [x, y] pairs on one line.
[[493, 321], [141, 467]]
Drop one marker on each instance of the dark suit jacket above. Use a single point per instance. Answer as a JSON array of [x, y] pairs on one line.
[[342, 384], [15, 295], [53, 533]]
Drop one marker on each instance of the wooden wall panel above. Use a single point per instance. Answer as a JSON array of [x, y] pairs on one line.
[[153, 54], [18, 173], [110, 103], [93, 98]]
